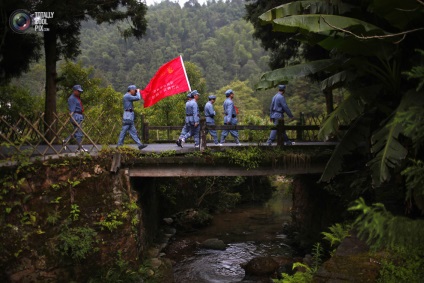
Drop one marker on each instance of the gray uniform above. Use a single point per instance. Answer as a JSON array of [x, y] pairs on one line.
[[210, 120], [277, 110], [230, 118]]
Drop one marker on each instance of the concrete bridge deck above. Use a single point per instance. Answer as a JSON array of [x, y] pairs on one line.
[[188, 161]]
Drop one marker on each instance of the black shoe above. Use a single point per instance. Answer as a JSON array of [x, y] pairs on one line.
[[142, 146], [180, 143]]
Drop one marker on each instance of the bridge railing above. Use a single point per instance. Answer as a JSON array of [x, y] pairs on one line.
[[306, 128], [26, 134]]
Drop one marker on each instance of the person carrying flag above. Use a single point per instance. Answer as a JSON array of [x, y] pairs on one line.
[[128, 118], [230, 117]]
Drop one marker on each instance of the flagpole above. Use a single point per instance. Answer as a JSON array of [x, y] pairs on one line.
[[185, 73]]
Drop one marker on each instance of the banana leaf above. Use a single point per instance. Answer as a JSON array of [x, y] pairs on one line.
[[275, 77]]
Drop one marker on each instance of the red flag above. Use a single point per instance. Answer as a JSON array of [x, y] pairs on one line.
[[170, 79]]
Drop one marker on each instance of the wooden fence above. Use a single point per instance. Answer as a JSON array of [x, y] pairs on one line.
[[306, 129], [26, 135]]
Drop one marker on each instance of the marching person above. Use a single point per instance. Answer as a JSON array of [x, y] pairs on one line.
[[128, 118], [186, 127], [192, 120], [277, 110], [76, 110], [210, 117], [230, 117]]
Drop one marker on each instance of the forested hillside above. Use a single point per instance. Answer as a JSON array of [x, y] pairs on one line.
[[213, 36]]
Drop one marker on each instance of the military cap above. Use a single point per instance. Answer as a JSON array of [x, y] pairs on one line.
[[282, 87], [195, 92], [131, 87], [189, 95], [77, 87], [228, 92], [210, 97]]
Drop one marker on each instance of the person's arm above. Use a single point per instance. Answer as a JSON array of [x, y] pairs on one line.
[[285, 107], [207, 110], [72, 104], [229, 111], [196, 114], [134, 97]]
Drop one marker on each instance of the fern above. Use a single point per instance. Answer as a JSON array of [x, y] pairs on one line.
[[337, 234], [381, 229], [414, 179], [413, 123], [417, 72], [308, 272]]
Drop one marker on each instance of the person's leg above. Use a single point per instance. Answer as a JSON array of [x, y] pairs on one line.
[[78, 133], [213, 133], [273, 133], [122, 134], [196, 134], [133, 133], [224, 135], [189, 133], [184, 131], [235, 135]]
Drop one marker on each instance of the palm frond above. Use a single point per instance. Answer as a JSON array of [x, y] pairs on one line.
[[306, 7], [389, 152], [357, 133]]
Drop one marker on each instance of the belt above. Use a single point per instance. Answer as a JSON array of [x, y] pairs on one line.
[[281, 112], [189, 114], [78, 112], [129, 110]]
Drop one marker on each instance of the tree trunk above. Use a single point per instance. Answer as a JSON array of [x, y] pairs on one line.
[[50, 49], [329, 100]]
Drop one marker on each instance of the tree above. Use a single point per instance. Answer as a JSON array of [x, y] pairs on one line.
[[17, 51], [62, 38]]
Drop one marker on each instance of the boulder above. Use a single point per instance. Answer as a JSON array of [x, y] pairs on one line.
[[213, 244], [260, 266]]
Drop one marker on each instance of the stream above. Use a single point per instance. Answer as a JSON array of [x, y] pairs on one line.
[[249, 231]]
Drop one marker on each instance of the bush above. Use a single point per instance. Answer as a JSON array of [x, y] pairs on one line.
[[76, 243]]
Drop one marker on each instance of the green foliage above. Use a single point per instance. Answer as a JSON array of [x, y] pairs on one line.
[[401, 267], [381, 229], [53, 217], [414, 179], [213, 36], [112, 221], [417, 72], [337, 234], [15, 100], [76, 243], [388, 150], [74, 214], [359, 55], [307, 272], [248, 158], [120, 272]]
